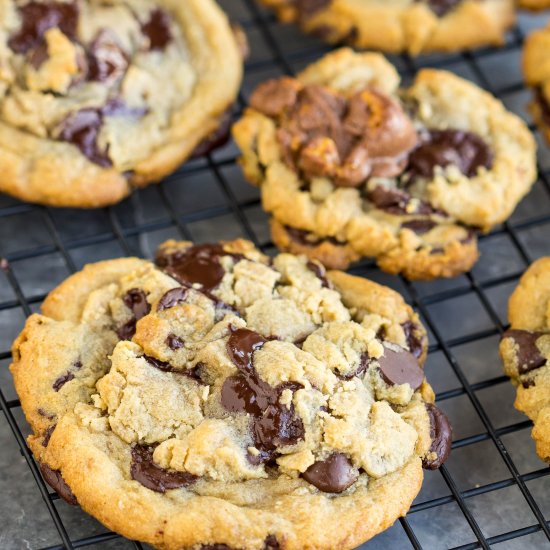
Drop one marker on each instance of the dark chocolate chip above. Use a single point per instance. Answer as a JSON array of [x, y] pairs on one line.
[[273, 424], [528, 355], [47, 435], [306, 238], [400, 367], [172, 298], [38, 17], [419, 226], [38, 56], [333, 475], [465, 150], [54, 479], [62, 380], [157, 30], [193, 373], [415, 338], [362, 367], [158, 479], [107, 61], [320, 273], [308, 8], [174, 342], [526, 384], [441, 435], [45, 414], [218, 138], [441, 7], [271, 543]]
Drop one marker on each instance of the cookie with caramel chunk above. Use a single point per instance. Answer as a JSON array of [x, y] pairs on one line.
[[350, 165], [221, 399]]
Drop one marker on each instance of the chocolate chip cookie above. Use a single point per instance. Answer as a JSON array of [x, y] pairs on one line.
[[351, 166], [97, 98], [223, 399], [525, 350], [534, 4], [415, 26], [536, 68]]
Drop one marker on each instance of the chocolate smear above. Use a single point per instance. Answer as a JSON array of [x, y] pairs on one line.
[[400, 367], [158, 479], [441, 435], [54, 479], [333, 475], [218, 138], [38, 17], [528, 355], [273, 424], [420, 227]]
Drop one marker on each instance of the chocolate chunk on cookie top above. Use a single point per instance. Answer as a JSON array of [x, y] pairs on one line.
[[350, 165], [171, 399], [80, 76], [525, 350]]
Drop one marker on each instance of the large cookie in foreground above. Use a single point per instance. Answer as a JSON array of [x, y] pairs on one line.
[[220, 399], [415, 26], [525, 350], [98, 98], [351, 166], [536, 68]]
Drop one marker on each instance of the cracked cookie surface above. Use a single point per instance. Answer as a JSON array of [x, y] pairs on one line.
[[349, 165], [536, 68], [525, 350], [416, 26], [87, 111], [223, 398]]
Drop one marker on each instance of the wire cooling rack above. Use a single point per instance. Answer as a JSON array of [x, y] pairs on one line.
[[493, 491]]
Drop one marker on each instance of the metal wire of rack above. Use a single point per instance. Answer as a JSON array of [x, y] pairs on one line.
[[493, 492]]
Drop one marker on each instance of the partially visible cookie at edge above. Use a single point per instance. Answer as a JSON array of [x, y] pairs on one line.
[[536, 68], [415, 26], [352, 166], [534, 5], [223, 399], [525, 350], [99, 98]]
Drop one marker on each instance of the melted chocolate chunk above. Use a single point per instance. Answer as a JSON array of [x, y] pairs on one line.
[[333, 475], [273, 424], [43, 413], [193, 373], [400, 367], [47, 435], [198, 265], [218, 138], [38, 56], [465, 150], [526, 384], [38, 17], [157, 30], [160, 480], [441, 7], [441, 435], [398, 202], [544, 105], [415, 338], [172, 298], [174, 342], [135, 300], [54, 479], [320, 273], [82, 128], [419, 226], [529, 356], [271, 543], [62, 380], [363, 365], [107, 60]]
